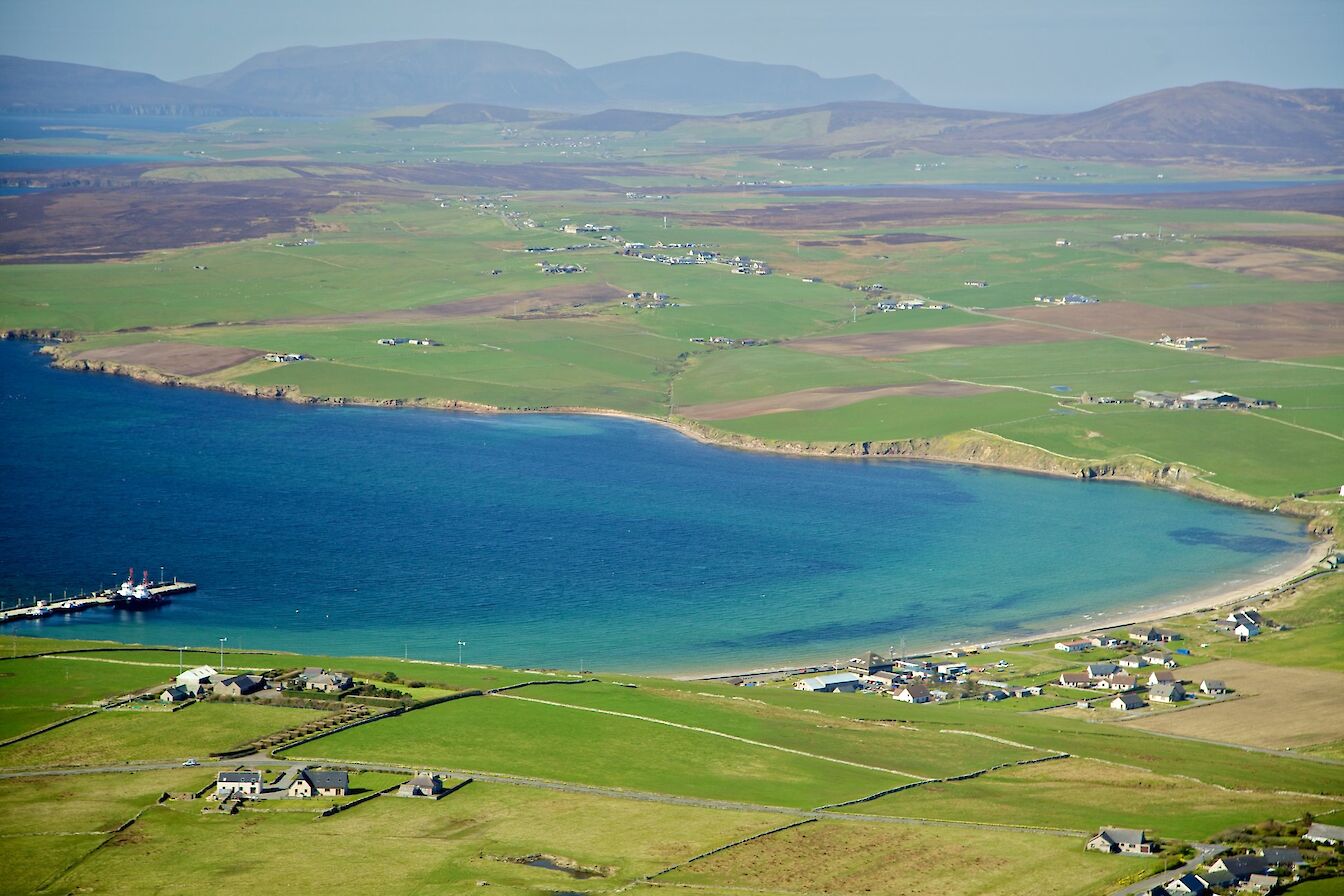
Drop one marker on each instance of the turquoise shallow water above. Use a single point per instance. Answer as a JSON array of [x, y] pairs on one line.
[[556, 541]]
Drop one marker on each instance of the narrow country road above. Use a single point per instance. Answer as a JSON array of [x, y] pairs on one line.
[[1203, 852]]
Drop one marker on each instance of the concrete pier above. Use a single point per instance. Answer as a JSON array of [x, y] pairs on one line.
[[106, 598]]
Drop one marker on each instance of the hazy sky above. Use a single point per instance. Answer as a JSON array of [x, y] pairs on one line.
[[1022, 55]]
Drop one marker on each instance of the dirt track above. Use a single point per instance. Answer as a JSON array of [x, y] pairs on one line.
[[820, 399]]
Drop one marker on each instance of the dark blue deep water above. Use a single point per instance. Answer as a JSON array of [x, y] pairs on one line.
[[547, 540]]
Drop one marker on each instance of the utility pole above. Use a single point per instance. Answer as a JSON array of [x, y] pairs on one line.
[[221, 653], [460, 645], [179, 659]]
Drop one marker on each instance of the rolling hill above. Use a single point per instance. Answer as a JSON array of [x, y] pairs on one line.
[[692, 82], [1217, 120], [363, 77], [38, 86]]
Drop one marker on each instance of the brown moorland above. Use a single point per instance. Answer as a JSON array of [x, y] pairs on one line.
[[1262, 332], [180, 358], [889, 345]]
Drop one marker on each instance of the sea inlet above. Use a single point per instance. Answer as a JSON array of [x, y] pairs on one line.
[[559, 541]]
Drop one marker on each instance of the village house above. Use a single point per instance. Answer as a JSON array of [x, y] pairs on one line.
[[231, 784], [914, 692], [1075, 679], [1101, 670], [329, 682], [1073, 646], [1132, 662], [425, 784], [1156, 635], [1161, 676], [1260, 883], [1104, 641], [309, 783], [882, 679], [952, 670], [1156, 399], [1118, 682], [238, 686], [869, 663], [1282, 855], [1127, 701], [843, 682], [1028, 691], [1241, 867], [1212, 687], [1167, 692], [1246, 631], [1122, 840], [1160, 658], [996, 695], [175, 694], [1186, 885]]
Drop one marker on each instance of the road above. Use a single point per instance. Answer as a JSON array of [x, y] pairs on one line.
[[1203, 852]]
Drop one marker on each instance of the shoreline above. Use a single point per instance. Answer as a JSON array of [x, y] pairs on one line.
[[973, 448], [1218, 597]]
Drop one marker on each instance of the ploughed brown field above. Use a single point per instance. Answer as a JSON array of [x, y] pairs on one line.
[[1264, 332], [1275, 262], [889, 345], [821, 399], [179, 358], [508, 304]]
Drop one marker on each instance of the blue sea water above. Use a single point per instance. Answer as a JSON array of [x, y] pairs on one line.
[[557, 540], [1084, 186]]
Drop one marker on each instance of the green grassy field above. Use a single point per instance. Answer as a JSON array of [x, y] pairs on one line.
[[147, 735]]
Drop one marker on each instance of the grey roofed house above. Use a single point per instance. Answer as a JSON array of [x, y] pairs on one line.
[[1186, 885], [175, 694], [1167, 692], [1212, 686], [1324, 833], [1127, 701], [914, 692], [1261, 883], [1282, 855], [1216, 879], [331, 682], [244, 777], [425, 784], [870, 662], [1125, 840], [1241, 867], [1101, 670], [239, 685], [310, 672], [324, 783]]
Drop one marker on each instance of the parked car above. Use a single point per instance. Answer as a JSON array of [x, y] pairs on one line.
[[190, 763]]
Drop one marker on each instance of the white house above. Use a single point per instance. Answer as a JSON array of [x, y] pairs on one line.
[[1246, 631], [230, 784], [914, 692], [1072, 646], [1127, 701]]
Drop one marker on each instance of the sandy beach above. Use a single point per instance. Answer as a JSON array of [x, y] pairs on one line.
[[1216, 597]]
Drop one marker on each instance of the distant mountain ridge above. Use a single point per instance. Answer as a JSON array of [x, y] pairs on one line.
[[1227, 119], [365, 77], [37, 86], [692, 82]]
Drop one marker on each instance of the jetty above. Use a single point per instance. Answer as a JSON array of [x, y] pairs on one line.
[[153, 595]]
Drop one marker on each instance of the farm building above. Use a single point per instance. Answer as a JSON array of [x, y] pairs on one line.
[[1324, 833], [175, 694], [836, 681], [425, 784]]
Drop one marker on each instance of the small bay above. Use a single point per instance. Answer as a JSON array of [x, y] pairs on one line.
[[558, 541]]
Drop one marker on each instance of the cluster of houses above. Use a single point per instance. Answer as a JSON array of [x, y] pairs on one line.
[[976, 284], [910, 681], [402, 340], [655, 196], [1261, 871], [638, 300], [1072, 298], [724, 340], [561, 268], [303, 782], [285, 358], [909, 305], [740, 264], [588, 228], [1184, 343], [204, 681], [1205, 398], [308, 241]]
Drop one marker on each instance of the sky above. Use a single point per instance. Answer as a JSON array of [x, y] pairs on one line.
[[1013, 55]]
